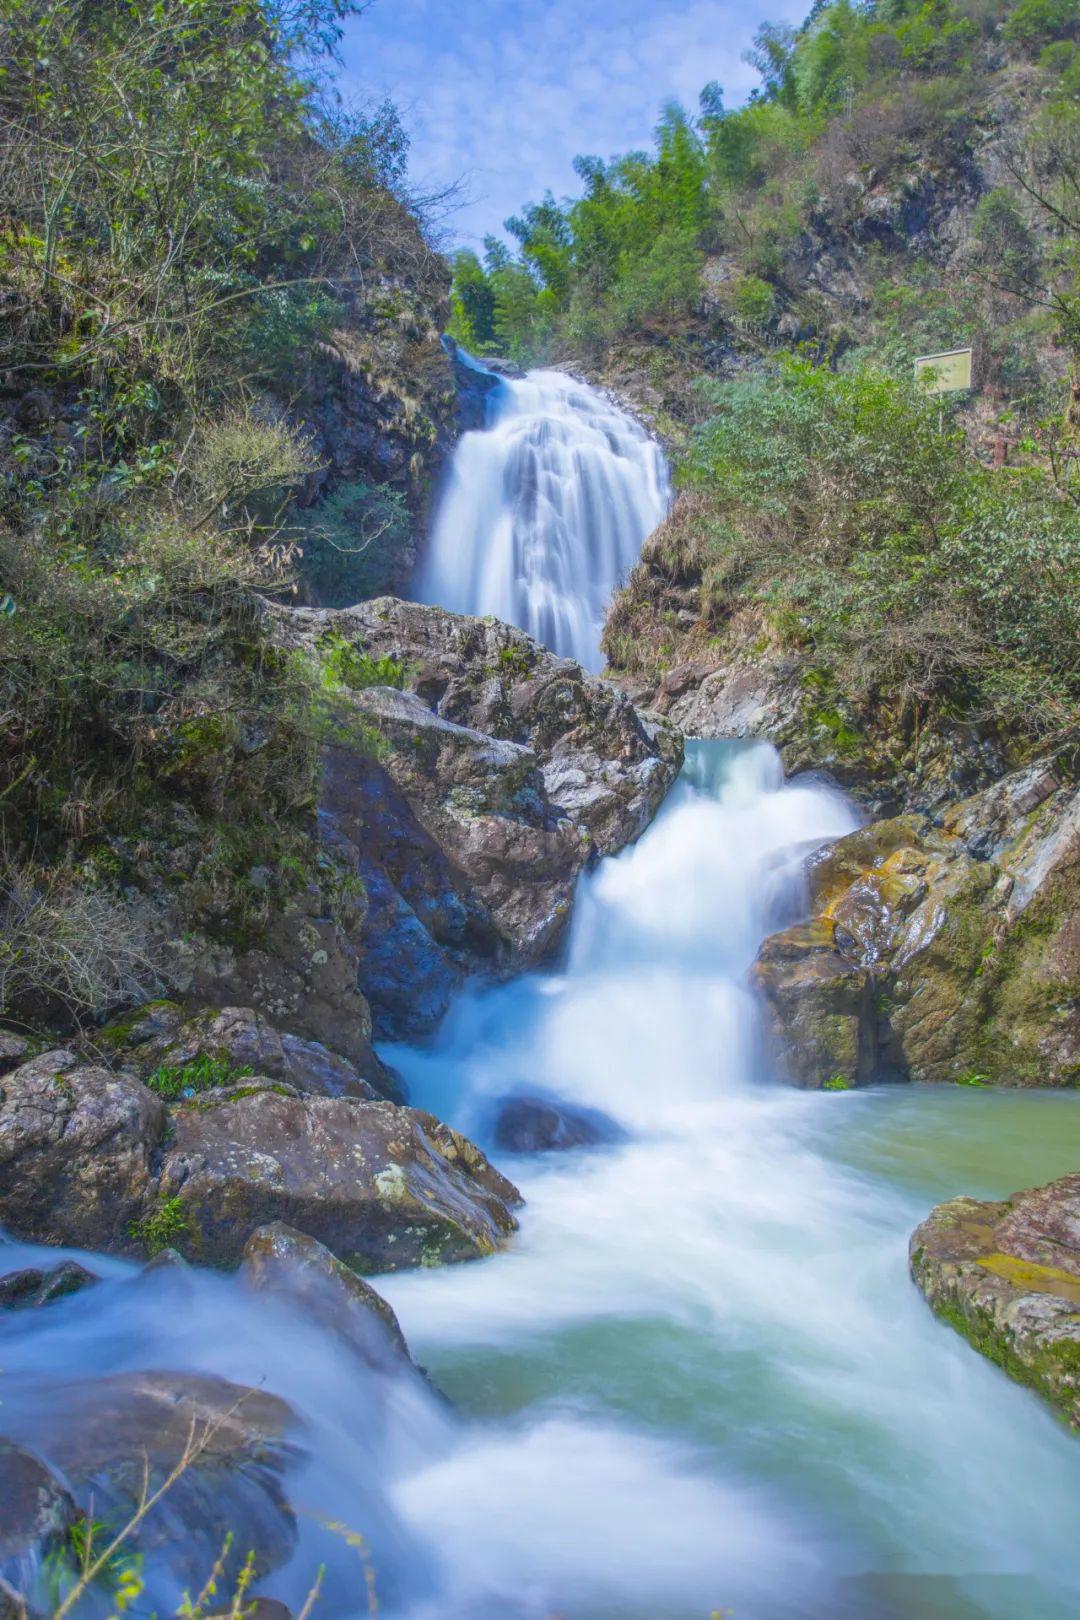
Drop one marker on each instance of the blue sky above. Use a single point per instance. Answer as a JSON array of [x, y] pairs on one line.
[[504, 93]]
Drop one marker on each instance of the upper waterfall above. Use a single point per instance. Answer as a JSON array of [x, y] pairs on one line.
[[545, 511]]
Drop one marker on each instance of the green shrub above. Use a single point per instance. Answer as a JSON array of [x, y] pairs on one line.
[[661, 282], [346, 665], [145, 511], [753, 300], [1004, 236], [354, 544], [846, 499], [1036, 21]]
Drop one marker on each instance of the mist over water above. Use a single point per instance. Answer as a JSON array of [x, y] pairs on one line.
[[544, 512]]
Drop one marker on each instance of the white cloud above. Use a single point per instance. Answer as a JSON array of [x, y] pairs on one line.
[[505, 93]]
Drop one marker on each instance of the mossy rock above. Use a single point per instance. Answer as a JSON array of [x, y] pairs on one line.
[[1007, 1276]]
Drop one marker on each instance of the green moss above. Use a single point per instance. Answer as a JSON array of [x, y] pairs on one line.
[[515, 660], [235, 1094], [173, 1081], [837, 1083], [168, 1224], [118, 1033], [344, 664], [1045, 1368]]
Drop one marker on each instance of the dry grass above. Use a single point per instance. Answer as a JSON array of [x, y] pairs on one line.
[[64, 946]]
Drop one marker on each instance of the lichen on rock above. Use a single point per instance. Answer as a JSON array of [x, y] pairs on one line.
[[1007, 1276], [957, 936]]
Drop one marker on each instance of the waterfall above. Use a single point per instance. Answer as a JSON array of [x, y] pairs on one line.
[[544, 512]]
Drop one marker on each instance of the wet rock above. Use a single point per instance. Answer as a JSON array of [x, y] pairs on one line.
[[1007, 1276], [76, 1151], [165, 1033], [104, 1434], [820, 1009], [32, 1287], [963, 929], [500, 772], [168, 1261], [36, 1513], [475, 382], [540, 1125], [382, 1186], [282, 1261]]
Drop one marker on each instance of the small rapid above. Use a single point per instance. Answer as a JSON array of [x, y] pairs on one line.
[[718, 1388], [544, 512]]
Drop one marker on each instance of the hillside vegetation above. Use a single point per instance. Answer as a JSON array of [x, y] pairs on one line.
[[217, 308], [906, 180]]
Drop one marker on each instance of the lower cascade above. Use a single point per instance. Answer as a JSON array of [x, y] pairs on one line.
[[700, 1380], [545, 511]]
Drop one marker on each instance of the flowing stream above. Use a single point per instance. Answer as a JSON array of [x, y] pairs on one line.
[[544, 512], [699, 1381]]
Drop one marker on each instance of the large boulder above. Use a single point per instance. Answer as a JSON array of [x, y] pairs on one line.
[[107, 1436], [93, 1157], [1007, 1276], [300, 971], [165, 1034], [468, 791], [956, 938], [382, 1186], [77, 1145], [280, 1261]]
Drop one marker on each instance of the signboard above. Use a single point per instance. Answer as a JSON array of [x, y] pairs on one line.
[[948, 373]]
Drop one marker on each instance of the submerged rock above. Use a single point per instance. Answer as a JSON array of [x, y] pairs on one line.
[[36, 1513], [382, 1186], [942, 950], [105, 1434], [1007, 1276], [20, 1289], [282, 1261], [540, 1125], [492, 772]]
